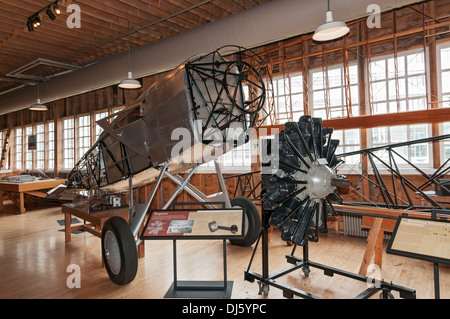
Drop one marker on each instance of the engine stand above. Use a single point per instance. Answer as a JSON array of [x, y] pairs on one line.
[[265, 279]]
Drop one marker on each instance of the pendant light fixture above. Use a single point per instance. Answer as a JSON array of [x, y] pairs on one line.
[[331, 30], [38, 106], [129, 82]]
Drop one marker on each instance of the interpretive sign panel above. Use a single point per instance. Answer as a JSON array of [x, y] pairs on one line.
[[194, 224], [421, 238]]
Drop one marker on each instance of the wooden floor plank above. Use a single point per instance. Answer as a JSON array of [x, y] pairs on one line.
[[35, 259]]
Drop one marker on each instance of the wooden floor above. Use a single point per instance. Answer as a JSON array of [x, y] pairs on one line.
[[35, 257]]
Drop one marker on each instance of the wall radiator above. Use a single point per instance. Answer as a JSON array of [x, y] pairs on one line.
[[352, 227]]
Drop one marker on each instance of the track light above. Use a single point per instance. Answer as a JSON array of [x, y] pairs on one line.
[[36, 21], [56, 8], [52, 10], [50, 13], [30, 25]]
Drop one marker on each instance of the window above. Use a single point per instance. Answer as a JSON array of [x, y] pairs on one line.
[[40, 146], [28, 152], [1, 144], [98, 129], [349, 141], [329, 99], [2, 139], [19, 147], [445, 75], [418, 154], [68, 143], [398, 85], [84, 134], [50, 145], [288, 98], [238, 157], [236, 160], [446, 131]]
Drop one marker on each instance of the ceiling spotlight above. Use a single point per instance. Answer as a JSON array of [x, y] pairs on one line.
[[56, 8], [36, 21], [52, 10], [30, 24], [331, 30], [50, 13]]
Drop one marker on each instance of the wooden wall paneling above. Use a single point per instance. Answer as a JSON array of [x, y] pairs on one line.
[[363, 101], [433, 81]]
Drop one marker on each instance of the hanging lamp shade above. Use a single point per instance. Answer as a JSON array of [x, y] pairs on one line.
[[38, 106], [129, 82], [331, 30]]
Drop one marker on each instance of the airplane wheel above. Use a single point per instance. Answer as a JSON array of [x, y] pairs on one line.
[[252, 221], [119, 251]]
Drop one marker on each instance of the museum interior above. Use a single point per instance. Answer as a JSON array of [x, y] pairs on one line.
[[313, 160]]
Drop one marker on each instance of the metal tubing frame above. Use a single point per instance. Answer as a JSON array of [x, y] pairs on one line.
[[265, 279], [138, 215], [395, 172], [136, 220]]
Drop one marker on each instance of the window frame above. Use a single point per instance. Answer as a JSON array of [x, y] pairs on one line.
[[389, 98], [64, 147], [355, 100], [444, 97], [423, 166]]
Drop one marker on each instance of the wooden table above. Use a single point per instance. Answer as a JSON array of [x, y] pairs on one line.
[[30, 188], [377, 226], [95, 221]]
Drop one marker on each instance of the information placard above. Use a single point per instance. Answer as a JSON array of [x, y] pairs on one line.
[[194, 224], [421, 238]]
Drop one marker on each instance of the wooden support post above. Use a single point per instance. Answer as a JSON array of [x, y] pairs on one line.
[[372, 241]]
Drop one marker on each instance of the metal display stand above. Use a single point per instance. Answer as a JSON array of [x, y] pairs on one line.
[[265, 279], [436, 259], [199, 289]]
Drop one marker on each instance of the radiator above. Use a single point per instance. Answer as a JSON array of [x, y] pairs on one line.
[[352, 227]]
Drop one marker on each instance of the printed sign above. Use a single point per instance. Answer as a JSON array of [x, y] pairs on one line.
[[194, 224]]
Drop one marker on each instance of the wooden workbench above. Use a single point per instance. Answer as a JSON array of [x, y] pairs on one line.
[[35, 188], [95, 221]]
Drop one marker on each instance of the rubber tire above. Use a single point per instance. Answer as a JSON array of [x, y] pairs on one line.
[[117, 226], [253, 219]]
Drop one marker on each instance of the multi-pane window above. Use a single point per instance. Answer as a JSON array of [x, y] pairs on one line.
[[349, 141], [446, 130], [238, 157], [445, 76], [29, 147], [84, 134], [288, 98], [1, 143], [50, 145], [68, 143], [418, 154], [332, 95], [18, 147], [398, 85], [98, 129], [40, 146], [2, 136]]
